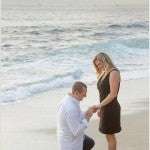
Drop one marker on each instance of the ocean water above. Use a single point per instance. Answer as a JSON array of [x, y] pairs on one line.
[[44, 48]]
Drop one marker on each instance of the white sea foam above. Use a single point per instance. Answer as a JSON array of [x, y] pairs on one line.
[[28, 89]]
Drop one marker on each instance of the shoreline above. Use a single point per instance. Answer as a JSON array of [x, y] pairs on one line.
[[2, 102], [31, 124]]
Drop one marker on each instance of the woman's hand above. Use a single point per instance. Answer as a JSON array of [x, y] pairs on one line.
[[98, 106], [99, 113]]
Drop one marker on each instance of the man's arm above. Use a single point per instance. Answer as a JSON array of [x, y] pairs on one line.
[[83, 114], [73, 119]]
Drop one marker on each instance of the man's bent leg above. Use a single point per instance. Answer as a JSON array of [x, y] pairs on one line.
[[88, 143]]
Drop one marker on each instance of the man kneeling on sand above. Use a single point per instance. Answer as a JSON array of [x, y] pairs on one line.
[[71, 121]]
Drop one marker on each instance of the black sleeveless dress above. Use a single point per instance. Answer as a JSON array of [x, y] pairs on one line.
[[110, 113]]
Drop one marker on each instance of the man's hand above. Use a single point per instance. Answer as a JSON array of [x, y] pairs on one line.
[[94, 108], [89, 114]]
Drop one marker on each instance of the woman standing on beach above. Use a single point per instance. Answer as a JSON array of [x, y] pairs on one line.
[[109, 108]]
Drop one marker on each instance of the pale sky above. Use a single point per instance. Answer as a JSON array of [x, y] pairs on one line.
[[76, 2]]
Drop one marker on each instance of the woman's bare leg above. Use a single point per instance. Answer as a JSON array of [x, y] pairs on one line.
[[112, 142]]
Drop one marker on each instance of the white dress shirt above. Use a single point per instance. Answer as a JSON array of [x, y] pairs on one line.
[[71, 124]]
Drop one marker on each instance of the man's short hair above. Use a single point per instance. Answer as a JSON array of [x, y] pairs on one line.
[[78, 87]]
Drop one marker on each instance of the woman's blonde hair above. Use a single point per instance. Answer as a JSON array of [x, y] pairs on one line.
[[105, 59]]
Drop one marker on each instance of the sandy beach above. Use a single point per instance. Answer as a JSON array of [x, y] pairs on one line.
[[31, 124]]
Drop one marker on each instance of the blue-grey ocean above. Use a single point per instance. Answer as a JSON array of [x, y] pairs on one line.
[[44, 48]]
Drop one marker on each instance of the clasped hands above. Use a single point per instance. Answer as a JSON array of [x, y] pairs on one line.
[[91, 110]]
